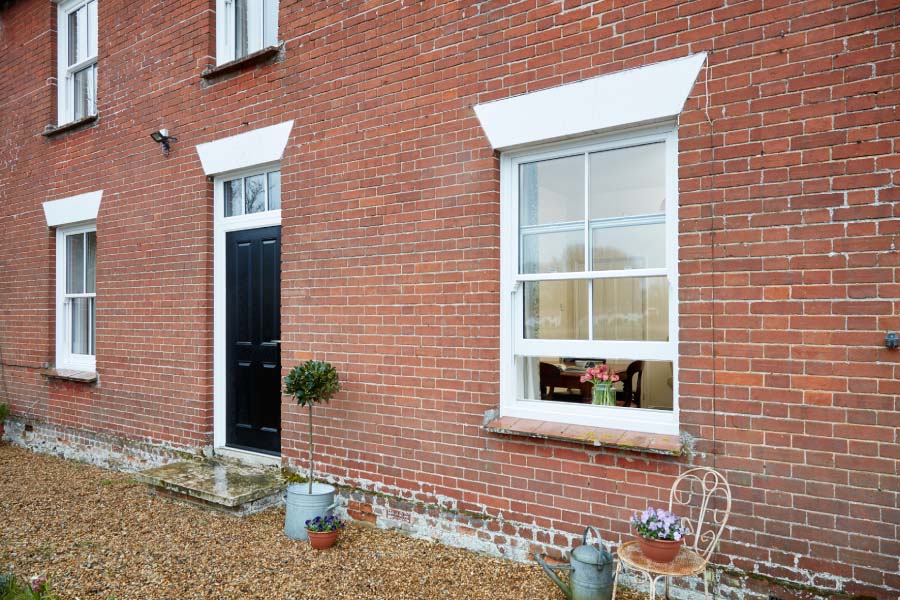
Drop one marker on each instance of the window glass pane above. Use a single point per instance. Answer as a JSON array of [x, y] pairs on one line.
[[628, 181], [72, 36], [559, 252], [90, 269], [274, 190], [82, 324], [75, 263], [82, 34], [255, 194], [91, 29], [240, 28], [551, 191], [642, 383], [270, 22], [556, 310], [629, 246], [631, 308], [92, 350], [84, 92], [234, 197]]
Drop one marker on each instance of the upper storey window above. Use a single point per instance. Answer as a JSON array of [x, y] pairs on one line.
[[77, 45], [244, 27]]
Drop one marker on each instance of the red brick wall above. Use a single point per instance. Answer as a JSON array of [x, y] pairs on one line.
[[788, 261]]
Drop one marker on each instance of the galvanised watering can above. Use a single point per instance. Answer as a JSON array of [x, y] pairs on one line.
[[591, 567]]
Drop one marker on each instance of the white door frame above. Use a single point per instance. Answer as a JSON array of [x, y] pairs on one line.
[[223, 225]]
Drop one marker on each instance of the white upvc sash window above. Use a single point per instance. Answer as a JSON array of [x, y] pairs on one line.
[[589, 273], [244, 27], [77, 59], [76, 269]]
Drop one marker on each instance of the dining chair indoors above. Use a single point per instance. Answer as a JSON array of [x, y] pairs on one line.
[[703, 492]]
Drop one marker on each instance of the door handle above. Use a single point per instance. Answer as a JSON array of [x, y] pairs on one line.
[[274, 341]]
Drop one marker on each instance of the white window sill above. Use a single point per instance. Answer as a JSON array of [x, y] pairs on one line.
[[593, 436], [70, 375]]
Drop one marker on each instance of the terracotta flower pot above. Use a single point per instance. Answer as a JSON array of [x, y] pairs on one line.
[[322, 540], [660, 550]]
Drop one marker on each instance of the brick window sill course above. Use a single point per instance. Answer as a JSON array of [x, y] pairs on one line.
[[655, 443], [260, 56], [52, 130], [70, 375]]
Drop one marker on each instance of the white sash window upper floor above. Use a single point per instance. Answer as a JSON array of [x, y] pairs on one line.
[[244, 27], [77, 60]]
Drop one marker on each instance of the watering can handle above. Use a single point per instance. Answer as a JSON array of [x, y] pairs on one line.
[[596, 534]]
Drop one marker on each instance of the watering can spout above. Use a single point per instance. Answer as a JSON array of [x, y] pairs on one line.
[[554, 577]]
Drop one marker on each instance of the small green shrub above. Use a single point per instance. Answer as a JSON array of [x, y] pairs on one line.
[[4, 411], [309, 383]]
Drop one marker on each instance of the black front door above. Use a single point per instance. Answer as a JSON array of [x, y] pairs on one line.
[[252, 331]]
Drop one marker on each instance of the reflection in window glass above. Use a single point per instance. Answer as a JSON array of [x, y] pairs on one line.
[[641, 246], [255, 194], [75, 263], [82, 325], [274, 194], [234, 199], [90, 268], [552, 191], [628, 181], [252, 194], [240, 28], [561, 252], [556, 310], [631, 308]]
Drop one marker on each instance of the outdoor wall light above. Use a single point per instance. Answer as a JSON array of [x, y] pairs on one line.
[[891, 341], [162, 137]]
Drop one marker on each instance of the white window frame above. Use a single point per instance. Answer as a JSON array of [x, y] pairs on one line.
[[65, 358], [223, 225], [512, 339], [65, 73], [262, 28]]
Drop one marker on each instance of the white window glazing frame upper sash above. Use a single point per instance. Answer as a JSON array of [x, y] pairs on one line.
[[512, 340]]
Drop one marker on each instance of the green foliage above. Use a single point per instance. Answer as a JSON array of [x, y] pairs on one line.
[[311, 382], [4, 411], [38, 588]]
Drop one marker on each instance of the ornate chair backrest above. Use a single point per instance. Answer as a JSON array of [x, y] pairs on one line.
[[712, 509]]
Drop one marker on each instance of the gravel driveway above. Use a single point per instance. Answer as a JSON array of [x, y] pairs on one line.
[[99, 535]]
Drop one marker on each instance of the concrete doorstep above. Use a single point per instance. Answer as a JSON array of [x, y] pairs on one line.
[[229, 486]]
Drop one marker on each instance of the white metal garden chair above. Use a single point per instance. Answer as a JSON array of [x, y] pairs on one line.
[[702, 533]]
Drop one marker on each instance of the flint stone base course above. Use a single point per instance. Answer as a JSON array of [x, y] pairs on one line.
[[99, 449], [479, 533]]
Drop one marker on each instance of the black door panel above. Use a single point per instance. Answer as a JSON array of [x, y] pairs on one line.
[[253, 326]]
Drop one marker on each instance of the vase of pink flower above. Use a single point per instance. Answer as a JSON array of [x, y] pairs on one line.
[[659, 533], [604, 394]]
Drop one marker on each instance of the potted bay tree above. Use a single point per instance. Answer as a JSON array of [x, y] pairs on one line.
[[309, 383]]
